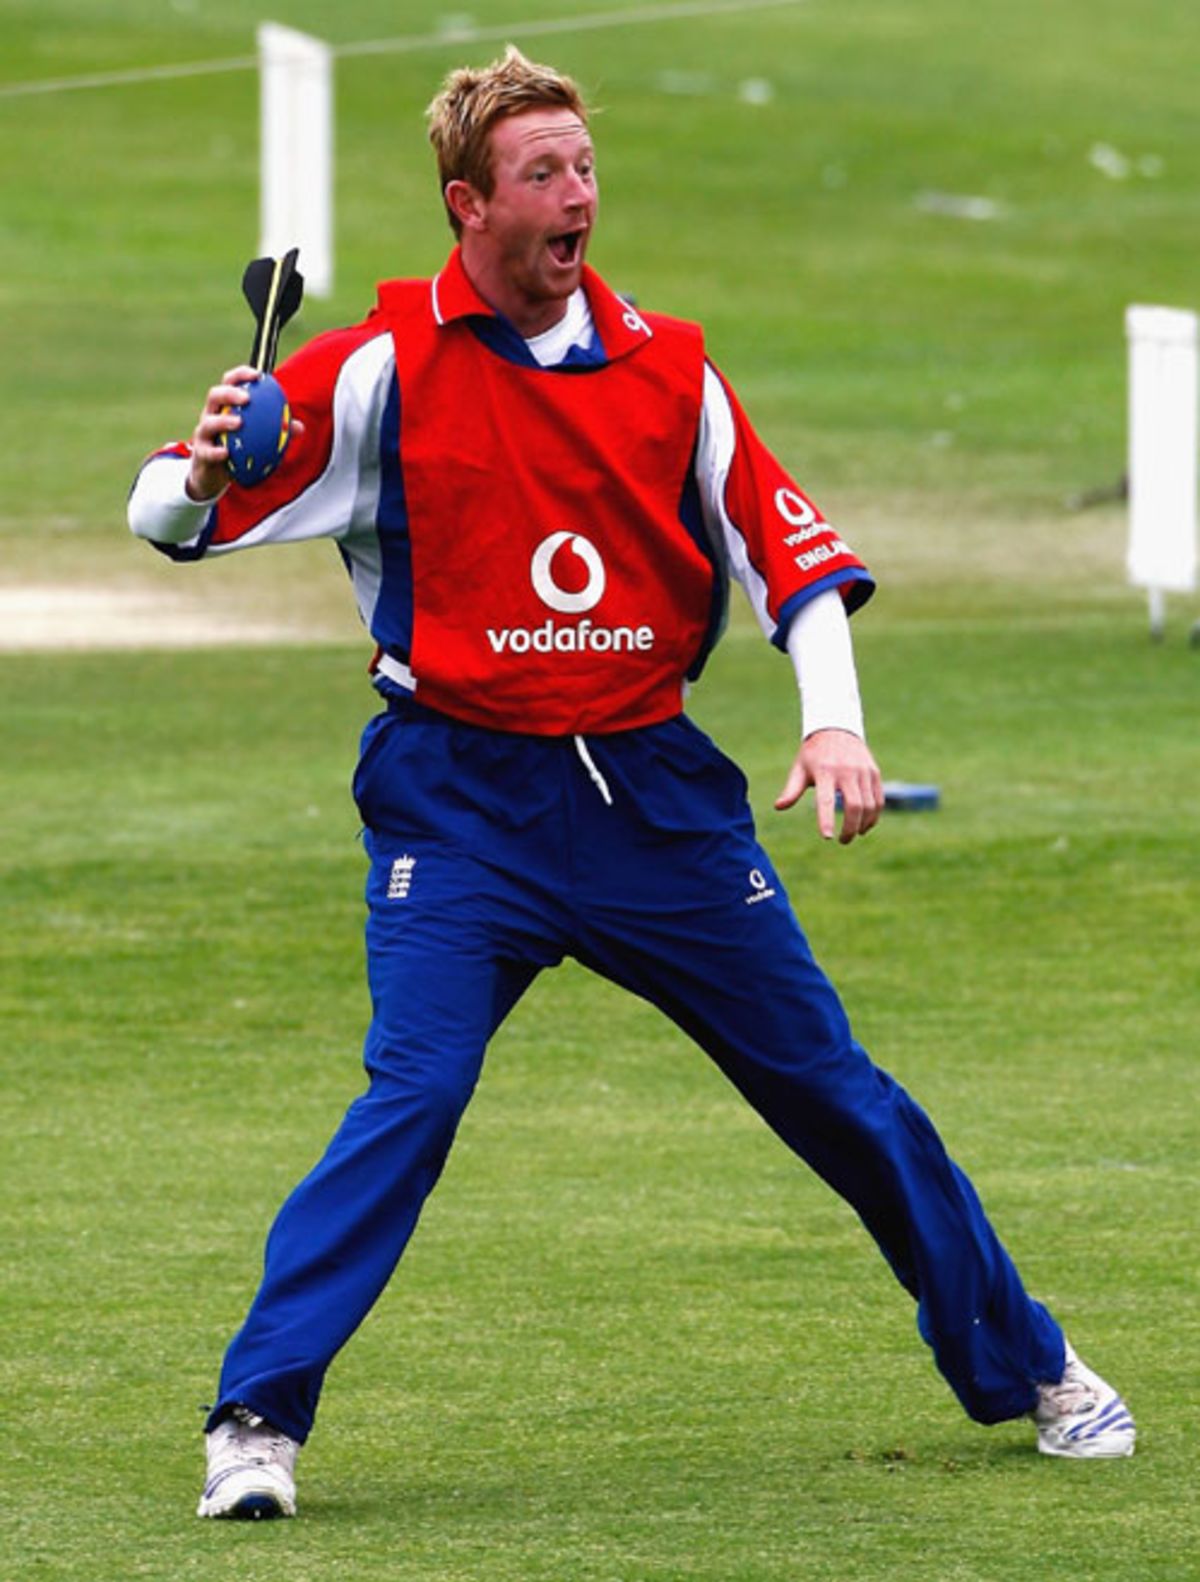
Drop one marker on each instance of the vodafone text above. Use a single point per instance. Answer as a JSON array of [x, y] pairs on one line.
[[580, 638]]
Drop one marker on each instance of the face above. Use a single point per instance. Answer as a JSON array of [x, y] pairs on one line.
[[524, 245]]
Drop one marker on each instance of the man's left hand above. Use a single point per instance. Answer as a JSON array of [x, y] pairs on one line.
[[836, 761]]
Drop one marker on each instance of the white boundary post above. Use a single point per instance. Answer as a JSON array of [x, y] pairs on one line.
[[296, 151], [1162, 454]]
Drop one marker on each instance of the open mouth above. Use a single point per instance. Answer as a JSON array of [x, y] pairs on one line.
[[566, 247]]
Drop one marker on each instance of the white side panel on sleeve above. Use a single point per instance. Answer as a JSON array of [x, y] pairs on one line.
[[714, 457], [344, 498]]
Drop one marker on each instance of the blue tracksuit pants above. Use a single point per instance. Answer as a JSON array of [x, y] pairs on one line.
[[495, 855]]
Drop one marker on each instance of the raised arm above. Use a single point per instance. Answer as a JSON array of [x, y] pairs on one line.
[[184, 502]]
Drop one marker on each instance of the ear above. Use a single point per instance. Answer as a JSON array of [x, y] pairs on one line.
[[466, 203]]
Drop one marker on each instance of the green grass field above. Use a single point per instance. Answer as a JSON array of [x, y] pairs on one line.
[[632, 1342]]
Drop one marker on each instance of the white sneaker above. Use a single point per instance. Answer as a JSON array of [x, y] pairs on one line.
[[251, 1469], [1081, 1416]]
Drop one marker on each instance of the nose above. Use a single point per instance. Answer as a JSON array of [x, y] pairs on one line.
[[580, 190]]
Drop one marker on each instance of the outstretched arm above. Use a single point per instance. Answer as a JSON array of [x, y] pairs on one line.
[[326, 485], [833, 757], [801, 579]]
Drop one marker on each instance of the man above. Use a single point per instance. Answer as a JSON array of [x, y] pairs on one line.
[[540, 494]]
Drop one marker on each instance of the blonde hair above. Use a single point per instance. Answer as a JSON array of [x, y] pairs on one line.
[[473, 99]]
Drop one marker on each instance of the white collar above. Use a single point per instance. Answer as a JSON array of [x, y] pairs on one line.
[[573, 329]]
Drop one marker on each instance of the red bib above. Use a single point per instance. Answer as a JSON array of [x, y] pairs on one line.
[[556, 586]]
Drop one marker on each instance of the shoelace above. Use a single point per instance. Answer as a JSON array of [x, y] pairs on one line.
[[1071, 1394], [257, 1442]]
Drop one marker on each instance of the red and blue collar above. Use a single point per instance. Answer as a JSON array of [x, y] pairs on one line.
[[620, 328]]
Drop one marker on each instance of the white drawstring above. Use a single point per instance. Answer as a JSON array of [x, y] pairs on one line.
[[594, 774]]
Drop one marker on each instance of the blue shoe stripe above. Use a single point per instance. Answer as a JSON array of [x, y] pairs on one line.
[[214, 1483], [1113, 1415]]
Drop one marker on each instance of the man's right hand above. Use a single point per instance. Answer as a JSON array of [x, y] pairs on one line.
[[208, 475]]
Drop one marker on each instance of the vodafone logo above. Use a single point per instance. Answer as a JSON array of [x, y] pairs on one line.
[[565, 555], [808, 526], [794, 508], [548, 590]]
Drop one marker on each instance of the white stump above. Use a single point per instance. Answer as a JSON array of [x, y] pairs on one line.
[[296, 130], [1162, 454]]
